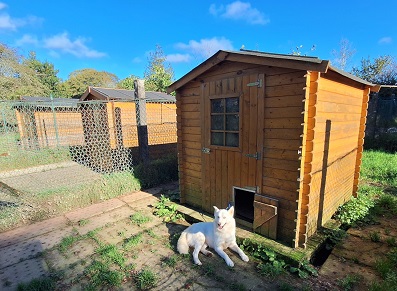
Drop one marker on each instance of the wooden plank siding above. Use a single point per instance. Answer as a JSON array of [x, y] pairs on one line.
[[189, 144], [338, 111]]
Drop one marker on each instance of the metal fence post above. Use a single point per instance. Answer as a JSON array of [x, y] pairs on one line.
[[141, 120]]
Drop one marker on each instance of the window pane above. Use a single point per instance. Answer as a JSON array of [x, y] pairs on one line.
[[217, 105], [232, 104], [232, 139], [217, 138], [232, 122], [217, 122]]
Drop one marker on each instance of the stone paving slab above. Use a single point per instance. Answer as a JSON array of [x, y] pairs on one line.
[[94, 210], [26, 232], [103, 219], [32, 247], [22, 272]]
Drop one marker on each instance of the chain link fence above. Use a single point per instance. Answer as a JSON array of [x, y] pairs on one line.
[[381, 127], [102, 136]]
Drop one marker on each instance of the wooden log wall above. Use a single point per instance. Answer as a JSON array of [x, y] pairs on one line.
[[336, 134]]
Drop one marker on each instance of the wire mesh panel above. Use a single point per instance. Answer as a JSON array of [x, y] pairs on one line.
[[100, 135]]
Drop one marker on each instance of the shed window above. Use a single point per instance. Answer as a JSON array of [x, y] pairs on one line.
[[225, 121]]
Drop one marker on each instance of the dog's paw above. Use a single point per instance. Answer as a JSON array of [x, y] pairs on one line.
[[197, 262], [245, 258], [230, 263], [209, 254]]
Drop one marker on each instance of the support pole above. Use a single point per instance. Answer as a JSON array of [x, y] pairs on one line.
[[141, 121]]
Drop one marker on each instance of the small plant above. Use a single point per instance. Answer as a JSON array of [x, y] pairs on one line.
[[133, 241], [272, 269], [83, 222], [349, 281], [171, 261], [139, 218], [391, 241], [146, 279], [305, 270], [355, 209], [67, 242], [375, 236], [167, 210]]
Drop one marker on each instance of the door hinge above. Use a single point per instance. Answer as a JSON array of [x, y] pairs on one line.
[[206, 150], [257, 84], [256, 156]]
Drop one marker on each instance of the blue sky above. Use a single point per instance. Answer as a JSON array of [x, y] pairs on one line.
[[118, 36]]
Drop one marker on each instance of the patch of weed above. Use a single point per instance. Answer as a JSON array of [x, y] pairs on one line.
[[347, 283], [100, 274], [139, 218], [112, 254], [133, 241], [67, 242], [375, 236], [151, 233], [41, 284], [391, 241], [146, 279], [171, 261]]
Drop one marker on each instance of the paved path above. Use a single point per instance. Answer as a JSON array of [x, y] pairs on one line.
[[20, 249]]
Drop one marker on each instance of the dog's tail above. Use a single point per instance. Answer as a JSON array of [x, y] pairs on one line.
[[183, 246]]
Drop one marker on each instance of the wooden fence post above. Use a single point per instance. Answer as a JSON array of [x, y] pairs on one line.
[[141, 121]]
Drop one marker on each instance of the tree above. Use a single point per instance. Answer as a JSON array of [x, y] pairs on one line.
[[345, 53], [157, 76], [45, 71], [382, 70], [79, 80], [127, 83], [17, 79]]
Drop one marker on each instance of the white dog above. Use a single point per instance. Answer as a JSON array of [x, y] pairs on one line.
[[218, 235]]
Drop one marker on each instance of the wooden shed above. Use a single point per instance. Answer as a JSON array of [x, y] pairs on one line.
[[278, 136]]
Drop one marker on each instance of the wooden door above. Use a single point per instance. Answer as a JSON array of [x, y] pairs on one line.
[[232, 137]]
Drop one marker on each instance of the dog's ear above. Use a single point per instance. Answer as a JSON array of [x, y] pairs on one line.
[[216, 209], [231, 210]]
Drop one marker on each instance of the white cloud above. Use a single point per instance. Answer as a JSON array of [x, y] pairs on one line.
[[178, 58], [385, 40], [238, 10], [62, 43], [137, 60], [6, 23], [27, 39], [10, 23], [206, 47]]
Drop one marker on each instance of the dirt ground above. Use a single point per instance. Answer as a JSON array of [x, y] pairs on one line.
[[150, 244]]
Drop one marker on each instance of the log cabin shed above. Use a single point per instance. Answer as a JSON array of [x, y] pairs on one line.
[[279, 136]]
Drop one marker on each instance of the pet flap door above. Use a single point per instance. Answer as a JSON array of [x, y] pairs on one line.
[[265, 216]]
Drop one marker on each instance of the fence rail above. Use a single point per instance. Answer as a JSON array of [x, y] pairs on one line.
[[103, 136]]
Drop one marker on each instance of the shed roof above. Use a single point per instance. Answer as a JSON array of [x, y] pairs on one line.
[[123, 94], [47, 101], [264, 58]]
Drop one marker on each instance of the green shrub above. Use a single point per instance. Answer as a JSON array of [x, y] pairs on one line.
[[157, 172], [355, 209]]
